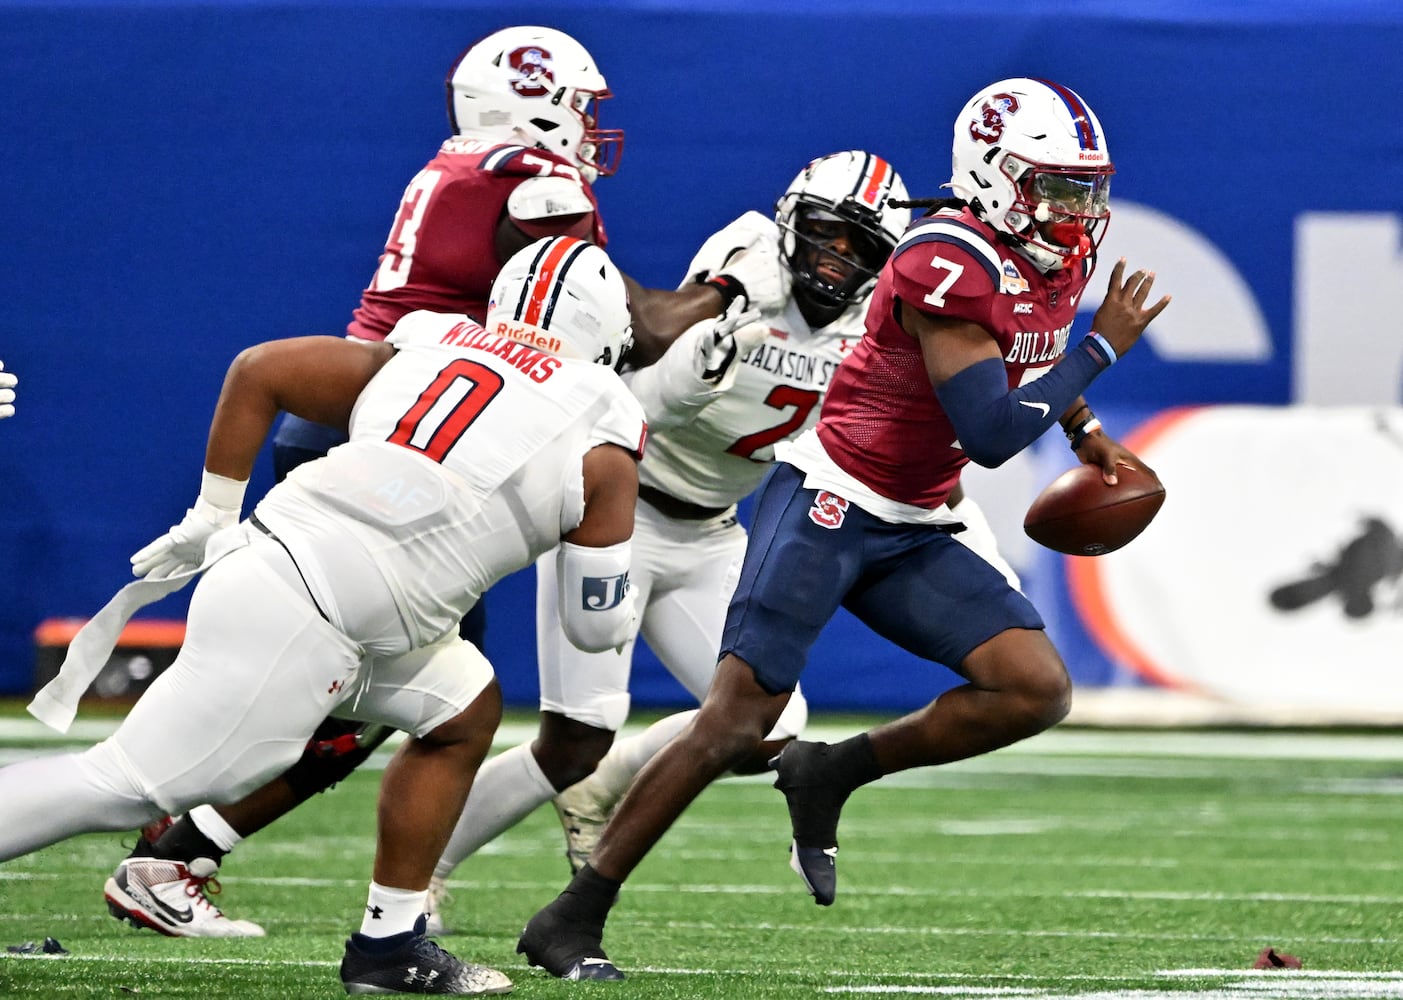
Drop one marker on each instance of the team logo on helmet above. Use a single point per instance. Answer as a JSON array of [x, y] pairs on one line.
[[989, 126], [533, 78]]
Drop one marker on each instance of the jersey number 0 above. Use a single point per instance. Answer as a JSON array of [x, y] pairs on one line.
[[447, 408]]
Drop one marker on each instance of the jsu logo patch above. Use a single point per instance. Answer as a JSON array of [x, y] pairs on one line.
[[828, 510], [600, 593]]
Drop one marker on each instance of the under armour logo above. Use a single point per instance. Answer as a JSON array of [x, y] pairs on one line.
[[411, 976]]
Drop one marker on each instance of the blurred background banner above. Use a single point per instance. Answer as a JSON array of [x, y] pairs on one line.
[[181, 180]]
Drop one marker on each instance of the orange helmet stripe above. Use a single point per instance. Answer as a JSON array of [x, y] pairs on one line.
[[547, 273]]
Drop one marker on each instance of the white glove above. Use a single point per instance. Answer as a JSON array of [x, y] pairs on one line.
[[8, 381], [182, 549], [764, 281], [735, 334]]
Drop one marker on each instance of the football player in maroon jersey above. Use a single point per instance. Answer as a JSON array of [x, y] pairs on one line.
[[965, 357]]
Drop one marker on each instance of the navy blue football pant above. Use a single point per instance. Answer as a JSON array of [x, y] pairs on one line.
[[811, 552]]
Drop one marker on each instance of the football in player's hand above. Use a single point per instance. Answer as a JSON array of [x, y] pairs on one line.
[[1080, 515]]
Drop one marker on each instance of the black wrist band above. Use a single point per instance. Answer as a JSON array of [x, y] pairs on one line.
[[729, 287]]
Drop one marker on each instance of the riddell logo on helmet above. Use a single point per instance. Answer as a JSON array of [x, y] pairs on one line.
[[989, 126], [1096, 155], [524, 334], [534, 77]]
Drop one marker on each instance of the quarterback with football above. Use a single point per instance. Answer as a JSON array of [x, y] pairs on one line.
[[965, 357]]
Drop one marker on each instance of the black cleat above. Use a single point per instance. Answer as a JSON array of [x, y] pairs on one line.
[[815, 803], [566, 949], [417, 966]]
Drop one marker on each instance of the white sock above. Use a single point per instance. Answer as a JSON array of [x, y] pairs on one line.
[[214, 826], [504, 792], [627, 756], [392, 911]]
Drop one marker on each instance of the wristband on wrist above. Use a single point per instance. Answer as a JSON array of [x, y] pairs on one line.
[[1076, 413], [1078, 434], [1105, 345], [729, 287], [222, 492]]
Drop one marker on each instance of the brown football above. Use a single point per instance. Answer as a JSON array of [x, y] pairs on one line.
[[1080, 515]]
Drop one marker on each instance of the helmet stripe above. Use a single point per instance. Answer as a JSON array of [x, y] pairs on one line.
[[547, 280], [1081, 116], [878, 177]]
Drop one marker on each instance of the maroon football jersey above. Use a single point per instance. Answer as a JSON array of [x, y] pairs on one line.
[[440, 253], [881, 421]]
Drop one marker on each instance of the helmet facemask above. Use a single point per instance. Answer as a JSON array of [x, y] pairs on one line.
[[834, 253], [1061, 211], [599, 149]]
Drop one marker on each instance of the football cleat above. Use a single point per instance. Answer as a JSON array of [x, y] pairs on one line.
[[416, 966], [818, 867], [566, 949], [172, 898], [815, 804], [438, 896], [583, 817]]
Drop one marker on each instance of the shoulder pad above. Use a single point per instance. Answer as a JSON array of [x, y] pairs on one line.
[[423, 326]]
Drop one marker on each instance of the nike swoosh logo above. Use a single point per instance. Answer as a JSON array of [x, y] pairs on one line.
[[1042, 408], [179, 916]]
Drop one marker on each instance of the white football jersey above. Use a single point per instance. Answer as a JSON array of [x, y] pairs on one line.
[[464, 463], [721, 454]]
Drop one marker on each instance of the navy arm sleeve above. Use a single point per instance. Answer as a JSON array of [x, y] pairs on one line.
[[993, 423]]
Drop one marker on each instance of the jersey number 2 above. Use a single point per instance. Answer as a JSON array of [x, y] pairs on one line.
[[445, 410]]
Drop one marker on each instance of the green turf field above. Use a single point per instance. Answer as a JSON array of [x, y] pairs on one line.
[[1082, 863]]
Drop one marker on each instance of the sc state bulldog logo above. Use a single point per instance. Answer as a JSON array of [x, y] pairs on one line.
[[828, 510], [989, 126], [600, 593], [533, 74]]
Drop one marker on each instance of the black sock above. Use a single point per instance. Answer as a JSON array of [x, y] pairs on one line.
[[853, 762], [588, 897], [385, 945], [184, 842]]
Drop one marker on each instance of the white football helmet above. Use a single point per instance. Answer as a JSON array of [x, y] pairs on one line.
[[537, 86], [1030, 159], [563, 296], [840, 197]]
